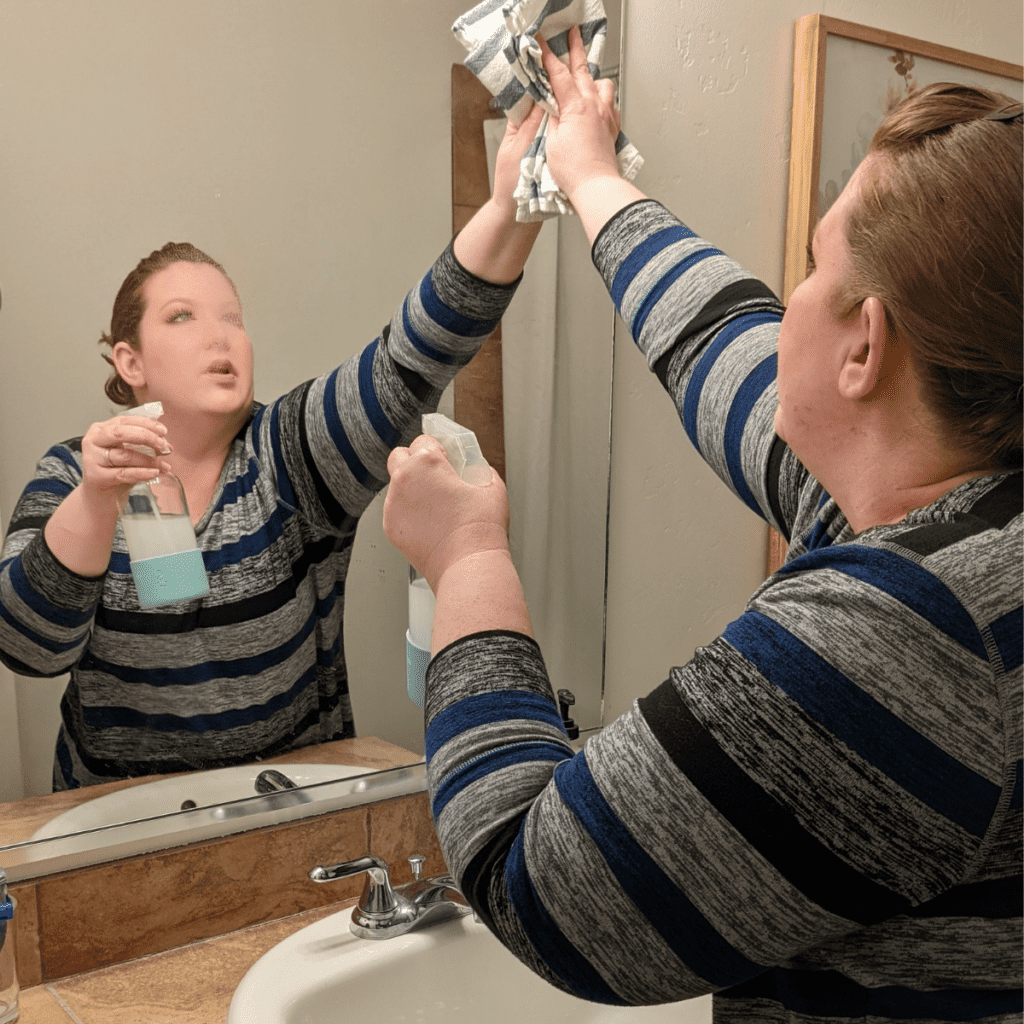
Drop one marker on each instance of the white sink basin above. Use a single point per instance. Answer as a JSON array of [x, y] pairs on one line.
[[454, 972], [215, 789]]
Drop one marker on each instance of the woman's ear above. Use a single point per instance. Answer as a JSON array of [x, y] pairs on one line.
[[128, 363], [867, 360]]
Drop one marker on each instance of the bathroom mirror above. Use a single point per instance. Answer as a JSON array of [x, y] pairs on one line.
[[304, 144]]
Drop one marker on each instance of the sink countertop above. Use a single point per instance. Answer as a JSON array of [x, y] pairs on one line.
[[193, 983]]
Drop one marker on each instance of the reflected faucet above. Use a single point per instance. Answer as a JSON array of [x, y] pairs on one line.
[[384, 912], [272, 781]]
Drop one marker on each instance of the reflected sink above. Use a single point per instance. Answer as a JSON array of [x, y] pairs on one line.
[[454, 972], [215, 789]]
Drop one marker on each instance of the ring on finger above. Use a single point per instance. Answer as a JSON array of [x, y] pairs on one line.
[[110, 461]]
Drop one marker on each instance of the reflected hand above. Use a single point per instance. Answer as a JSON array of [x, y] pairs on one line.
[[436, 519], [510, 155], [110, 467], [581, 139]]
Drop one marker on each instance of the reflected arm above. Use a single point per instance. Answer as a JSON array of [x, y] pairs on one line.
[[46, 609]]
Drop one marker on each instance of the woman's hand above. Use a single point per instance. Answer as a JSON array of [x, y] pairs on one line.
[[456, 535], [110, 466], [514, 145], [581, 139], [436, 519]]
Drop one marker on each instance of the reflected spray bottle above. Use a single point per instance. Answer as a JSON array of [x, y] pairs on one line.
[[463, 451], [165, 559]]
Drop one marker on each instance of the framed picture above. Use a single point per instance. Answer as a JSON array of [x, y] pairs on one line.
[[845, 77]]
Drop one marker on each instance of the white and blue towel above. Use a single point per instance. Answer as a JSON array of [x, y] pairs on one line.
[[500, 38]]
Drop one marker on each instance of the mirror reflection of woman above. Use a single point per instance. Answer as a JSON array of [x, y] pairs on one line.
[[257, 667]]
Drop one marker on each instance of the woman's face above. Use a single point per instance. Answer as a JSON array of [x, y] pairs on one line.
[[194, 352]]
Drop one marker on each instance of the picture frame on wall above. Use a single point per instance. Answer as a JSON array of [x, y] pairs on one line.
[[845, 77]]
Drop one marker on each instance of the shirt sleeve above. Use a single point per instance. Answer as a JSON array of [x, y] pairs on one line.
[[794, 784], [46, 610], [328, 441], [709, 331]]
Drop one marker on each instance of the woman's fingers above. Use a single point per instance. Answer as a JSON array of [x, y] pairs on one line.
[[563, 85], [124, 450], [579, 67]]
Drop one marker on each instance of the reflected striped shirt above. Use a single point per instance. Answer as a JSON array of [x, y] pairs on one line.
[[257, 667]]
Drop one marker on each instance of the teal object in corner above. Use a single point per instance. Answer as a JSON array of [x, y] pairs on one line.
[[416, 662], [169, 578]]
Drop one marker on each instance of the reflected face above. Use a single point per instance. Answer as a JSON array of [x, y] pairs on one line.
[[195, 354], [810, 349]]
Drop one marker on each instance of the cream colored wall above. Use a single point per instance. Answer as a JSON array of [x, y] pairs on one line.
[[707, 95], [322, 184]]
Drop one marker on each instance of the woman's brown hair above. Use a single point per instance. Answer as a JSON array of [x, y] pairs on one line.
[[936, 236], [129, 307]]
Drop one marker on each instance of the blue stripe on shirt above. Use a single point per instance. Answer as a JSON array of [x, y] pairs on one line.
[[560, 956], [47, 644], [284, 484], [446, 317], [653, 297], [219, 721], [66, 618], [48, 486], [642, 255], [371, 403], [856, 719], [750, 392], [706, 363], [205, 671], [336, 429], [485, 708], [904, 579], [683, 927]]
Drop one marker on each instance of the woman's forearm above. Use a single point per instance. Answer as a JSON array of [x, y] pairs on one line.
[[479, 592], [494, 245], [80, 536]]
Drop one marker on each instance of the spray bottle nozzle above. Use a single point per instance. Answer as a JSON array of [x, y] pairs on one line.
[[461, 447]]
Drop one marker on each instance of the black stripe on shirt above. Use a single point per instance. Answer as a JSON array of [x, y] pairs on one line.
[[824, 994], [775, 457], [995, 899], [772, 830], [417, 385], [718, 311], [205, 616], [123, 767], [999, 506]]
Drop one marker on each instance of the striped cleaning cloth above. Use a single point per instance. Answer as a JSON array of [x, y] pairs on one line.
[[503, 53]]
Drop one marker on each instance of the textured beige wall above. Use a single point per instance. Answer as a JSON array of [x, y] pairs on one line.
[[707, 95]]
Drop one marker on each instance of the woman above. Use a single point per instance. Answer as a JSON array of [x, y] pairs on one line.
[[819, 816], [257, 667]]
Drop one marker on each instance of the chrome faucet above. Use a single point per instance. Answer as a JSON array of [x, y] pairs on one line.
[[272, 781], [384, 912]]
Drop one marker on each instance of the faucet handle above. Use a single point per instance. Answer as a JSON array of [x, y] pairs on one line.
[[378, 896], [416, 861]]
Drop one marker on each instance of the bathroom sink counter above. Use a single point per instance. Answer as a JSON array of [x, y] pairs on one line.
[[22, 818], [193, 983]]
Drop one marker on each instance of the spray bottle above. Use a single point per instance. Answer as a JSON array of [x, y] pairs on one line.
[[463, 451], [165, 560]]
